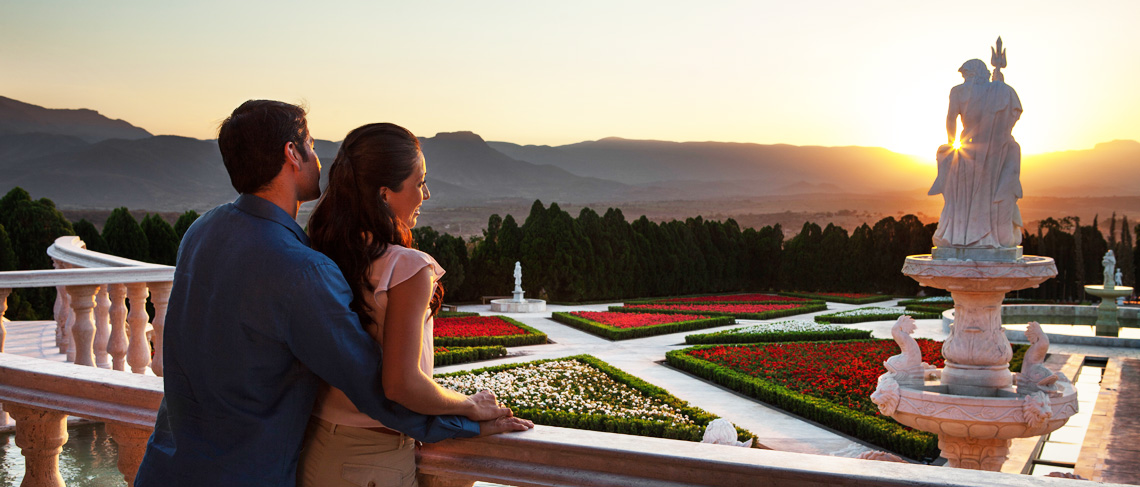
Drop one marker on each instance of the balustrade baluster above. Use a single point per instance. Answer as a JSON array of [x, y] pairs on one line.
[[3, 309], [159, 296], [117, 343], [138, 351], [102, 328], [60, 311], [40, 436], [132, 445], [83, 330]]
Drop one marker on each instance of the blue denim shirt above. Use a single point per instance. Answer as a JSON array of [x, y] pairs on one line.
[[256, 320]]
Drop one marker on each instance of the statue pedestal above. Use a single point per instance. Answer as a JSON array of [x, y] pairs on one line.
[[1106, 313]]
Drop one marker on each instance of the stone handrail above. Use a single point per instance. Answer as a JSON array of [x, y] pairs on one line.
[[42, 393]]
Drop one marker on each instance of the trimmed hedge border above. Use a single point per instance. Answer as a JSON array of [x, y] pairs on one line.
[[767, 315], [666, 301], [882, 432], [610, 424], [831, 318], [455, 314], [532, 337], [728, 338], [461, 355], [839, 299], [931, 309], [614, 333]]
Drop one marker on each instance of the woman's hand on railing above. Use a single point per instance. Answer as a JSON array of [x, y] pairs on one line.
[[485, 406]]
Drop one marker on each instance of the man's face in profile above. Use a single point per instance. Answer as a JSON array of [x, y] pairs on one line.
[[310, 183]]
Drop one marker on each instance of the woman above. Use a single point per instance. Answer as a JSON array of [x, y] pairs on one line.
[[363, 222]]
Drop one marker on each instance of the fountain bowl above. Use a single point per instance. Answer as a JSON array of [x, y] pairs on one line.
[[1004, 415], [518, 306]]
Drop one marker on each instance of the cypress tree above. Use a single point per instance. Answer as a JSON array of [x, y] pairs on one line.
[[124, 236], [183, 223], [162, 241], [87, 232]]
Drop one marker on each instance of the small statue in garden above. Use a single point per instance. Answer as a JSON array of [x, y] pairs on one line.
[[722, 432], [1109, 263], [1035, 376], [518, 291], [908, 367]]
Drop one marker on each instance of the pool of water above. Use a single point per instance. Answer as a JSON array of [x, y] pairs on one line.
[[1069, 325], [88, 459]]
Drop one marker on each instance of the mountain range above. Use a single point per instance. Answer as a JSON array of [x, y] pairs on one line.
[[81, 159]]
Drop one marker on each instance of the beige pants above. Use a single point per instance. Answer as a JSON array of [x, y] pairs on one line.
[[338, 455]]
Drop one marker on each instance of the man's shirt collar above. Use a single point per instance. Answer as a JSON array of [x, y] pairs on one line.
[[262, 208]]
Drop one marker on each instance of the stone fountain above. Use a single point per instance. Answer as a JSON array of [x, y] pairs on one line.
[[1109, 293], [973, 404], [518, 304]]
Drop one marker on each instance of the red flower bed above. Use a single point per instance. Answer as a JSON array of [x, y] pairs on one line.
[[475, 326], [633, 320], [721, 308], [848, 295], [843, 373], [733, 298]]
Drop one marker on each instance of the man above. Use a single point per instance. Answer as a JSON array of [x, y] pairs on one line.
[[256, 319]]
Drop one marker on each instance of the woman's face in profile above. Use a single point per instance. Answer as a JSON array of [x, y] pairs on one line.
[[405, 203]]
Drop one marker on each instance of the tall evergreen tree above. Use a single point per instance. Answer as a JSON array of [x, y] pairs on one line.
[[183, 223], [124, 236], [162, 240]]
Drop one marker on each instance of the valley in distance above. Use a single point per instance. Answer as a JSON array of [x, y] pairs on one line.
[[89, 164]]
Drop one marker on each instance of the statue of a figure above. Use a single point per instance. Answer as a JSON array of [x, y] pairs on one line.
[[1109, 263], [907, 367], [980, 183], [518, 278], [1119, 278], [1035, 376]]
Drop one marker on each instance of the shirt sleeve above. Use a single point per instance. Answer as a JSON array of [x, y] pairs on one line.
[[399, 264], [326, 336]]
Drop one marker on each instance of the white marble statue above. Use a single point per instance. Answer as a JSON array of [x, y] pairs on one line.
[[1119, 278], [1035, 376], [1109, 263], [980, 182], [907, 367], [721, 431], [518, 292]]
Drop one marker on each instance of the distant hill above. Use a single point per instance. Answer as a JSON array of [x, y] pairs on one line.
[[1108, 169], [17, 117]]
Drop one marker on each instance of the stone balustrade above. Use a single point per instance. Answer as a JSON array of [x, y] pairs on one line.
[[43, 393]]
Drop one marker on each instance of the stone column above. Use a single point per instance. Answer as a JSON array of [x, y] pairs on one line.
[[117, 342], [160, 296], [40, 436], [977, 352], [132, 446], [138, 351], [3, 309], [83, 330], [974, 453], [102, 328]]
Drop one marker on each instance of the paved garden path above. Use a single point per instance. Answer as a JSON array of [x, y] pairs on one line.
[[644, 357]]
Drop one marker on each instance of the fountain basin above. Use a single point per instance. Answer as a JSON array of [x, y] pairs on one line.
[[1099, 291], [520, 306], [1003, 415]]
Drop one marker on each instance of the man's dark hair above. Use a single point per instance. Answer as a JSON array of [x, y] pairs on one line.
[[252, 140]]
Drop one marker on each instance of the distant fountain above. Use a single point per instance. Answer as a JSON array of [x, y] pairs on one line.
[[972, 404], [1111, 293], [518, 304]]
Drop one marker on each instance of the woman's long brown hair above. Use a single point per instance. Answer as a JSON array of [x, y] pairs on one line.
[[351, 223]]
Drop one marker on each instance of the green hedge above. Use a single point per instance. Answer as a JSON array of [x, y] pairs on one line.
[[462, 355], [936, 308], [832, 318], [767, 315], [532, 337], [665, 300], [455, 314], [727, 337], [839, 299], [883, 432], [614, 333], [610, 424]]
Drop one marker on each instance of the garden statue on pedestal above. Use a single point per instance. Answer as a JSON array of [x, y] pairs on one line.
[[1109, 263], [1034, 376]]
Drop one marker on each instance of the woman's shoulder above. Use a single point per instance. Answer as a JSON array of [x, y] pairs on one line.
[[398, 264]]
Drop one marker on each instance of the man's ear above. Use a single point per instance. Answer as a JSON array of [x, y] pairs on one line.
[[292, 155]]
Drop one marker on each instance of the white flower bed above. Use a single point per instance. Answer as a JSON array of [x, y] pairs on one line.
[[871, 311], [936, 299], [566, 385], [784, 327]]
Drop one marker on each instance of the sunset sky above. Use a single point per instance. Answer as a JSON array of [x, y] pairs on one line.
[[871, 73]]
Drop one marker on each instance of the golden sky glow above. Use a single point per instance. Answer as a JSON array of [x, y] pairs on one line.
[[872, 73]]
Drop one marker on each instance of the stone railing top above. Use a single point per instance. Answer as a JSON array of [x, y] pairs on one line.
[[78, 277], [70, 250], [87, 392]]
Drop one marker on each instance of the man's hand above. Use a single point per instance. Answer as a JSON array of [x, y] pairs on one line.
[[485, 406], [504, 424]]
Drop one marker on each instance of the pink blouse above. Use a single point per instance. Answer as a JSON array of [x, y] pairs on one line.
[[397, 265]]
